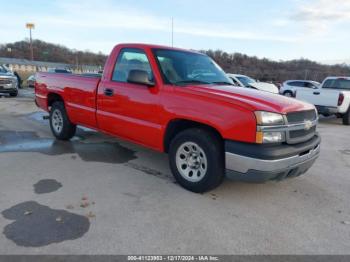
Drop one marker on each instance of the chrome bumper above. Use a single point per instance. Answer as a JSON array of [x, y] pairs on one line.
[[258, 164], [243, 164], [7, 88]]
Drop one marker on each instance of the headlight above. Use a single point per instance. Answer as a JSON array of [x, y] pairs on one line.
[[270, 137], [268, 118], [14, 80]]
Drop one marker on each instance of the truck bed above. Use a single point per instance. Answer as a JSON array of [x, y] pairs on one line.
[[77, 91]]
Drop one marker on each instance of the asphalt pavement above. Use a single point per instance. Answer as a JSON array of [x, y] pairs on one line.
[[99, 195]]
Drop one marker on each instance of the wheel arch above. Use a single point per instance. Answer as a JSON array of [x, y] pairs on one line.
[[289, 91], [53, 97], [176, 126]]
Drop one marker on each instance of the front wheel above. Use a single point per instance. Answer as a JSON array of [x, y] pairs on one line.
[[14, 94], [197, 160], [61, 127]]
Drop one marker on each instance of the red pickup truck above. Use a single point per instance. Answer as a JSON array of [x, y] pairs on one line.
[[182, 103]]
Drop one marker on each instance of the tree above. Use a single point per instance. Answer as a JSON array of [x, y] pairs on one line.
[[51, 53]]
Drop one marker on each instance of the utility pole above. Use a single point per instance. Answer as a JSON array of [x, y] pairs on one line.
[[9, 50], [172, 31], [31, 26], [306, 74], [77, 61]]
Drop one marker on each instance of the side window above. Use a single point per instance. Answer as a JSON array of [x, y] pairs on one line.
[[329, 84], [297, 84], [130, 59], [309, 85]]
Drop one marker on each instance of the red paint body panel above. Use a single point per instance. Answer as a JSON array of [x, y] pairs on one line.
[[78, 93], [141, 114], [132, 113]]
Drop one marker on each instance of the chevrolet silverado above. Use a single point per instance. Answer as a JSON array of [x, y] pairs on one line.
[[182, 103]]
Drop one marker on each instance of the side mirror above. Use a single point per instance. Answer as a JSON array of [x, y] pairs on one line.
[[139, 77]]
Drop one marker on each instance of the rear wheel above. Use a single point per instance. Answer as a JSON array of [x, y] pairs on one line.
[[60, 124], [346, 118], [197, 160]]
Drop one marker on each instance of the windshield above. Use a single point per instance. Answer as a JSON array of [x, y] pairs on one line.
[[245, 80], [182, 68], [340, 83], [3, 69]]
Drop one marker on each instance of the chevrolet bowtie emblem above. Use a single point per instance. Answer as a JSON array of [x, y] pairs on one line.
[[308, 125]]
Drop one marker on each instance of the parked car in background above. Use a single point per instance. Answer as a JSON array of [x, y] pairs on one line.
[[8, 82], [290, 87], [59, 70], [332, 97], [91, 74], [30, 81], [182, 103], [246, 81]]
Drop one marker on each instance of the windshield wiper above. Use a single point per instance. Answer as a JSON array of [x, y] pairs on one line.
[[193, 81], [222, 83]]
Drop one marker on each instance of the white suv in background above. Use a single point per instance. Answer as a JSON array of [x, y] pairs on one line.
[[290, 87]]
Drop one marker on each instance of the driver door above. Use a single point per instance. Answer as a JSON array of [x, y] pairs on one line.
[[130, 110]]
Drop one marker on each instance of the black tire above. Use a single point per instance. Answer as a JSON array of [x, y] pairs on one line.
[[346, 118], [68, 129], [288, 94], [212, 147], [14, 94]]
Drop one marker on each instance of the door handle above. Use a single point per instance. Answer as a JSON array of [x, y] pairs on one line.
[[317, 93], [108, 92]]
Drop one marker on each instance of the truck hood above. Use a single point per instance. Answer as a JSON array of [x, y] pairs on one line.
[[265, 87], [251, 99]]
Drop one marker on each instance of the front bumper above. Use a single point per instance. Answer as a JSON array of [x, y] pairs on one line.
[[261, 163], [8, 88]]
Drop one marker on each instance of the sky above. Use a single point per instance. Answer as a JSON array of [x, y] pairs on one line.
[[276, 29]]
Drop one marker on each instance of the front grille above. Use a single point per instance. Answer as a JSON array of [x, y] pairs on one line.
[[5, 81], [300, 117], [302, 133]]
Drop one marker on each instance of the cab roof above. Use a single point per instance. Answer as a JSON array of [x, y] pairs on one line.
[[152, 46], [339, 77]]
